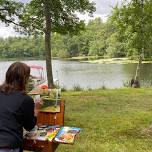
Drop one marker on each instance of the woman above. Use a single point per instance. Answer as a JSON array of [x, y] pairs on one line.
[[16, 108]]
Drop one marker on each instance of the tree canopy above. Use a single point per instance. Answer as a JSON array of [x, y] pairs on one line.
[[62, 14], [119, 36], [134, 23], [43, 16]]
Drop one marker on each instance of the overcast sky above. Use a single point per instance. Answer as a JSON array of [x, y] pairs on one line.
[[103, 9]]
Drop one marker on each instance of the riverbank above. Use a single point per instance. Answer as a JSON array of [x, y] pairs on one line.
[[83, 59], [111, 120], [99, 60], [115, 61]]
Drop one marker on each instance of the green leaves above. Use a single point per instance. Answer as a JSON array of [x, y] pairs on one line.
[[62, 13], [134, 21], [10, 11]]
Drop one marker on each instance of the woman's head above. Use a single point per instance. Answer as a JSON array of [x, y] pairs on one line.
[[17, 76]]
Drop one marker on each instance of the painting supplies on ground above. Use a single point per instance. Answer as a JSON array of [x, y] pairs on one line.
[[52, 132], [47, 133], [64, 134], [44, 132]]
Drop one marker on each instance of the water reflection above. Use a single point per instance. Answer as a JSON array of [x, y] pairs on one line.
[[86, 75]]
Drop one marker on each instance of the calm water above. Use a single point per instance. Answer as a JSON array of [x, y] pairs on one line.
[[86, 75]]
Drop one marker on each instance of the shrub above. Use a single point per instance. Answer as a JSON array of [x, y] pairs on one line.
[[77, 88]]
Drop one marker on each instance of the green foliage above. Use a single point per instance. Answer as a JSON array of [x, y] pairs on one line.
[[10, 10], [123, 35], [127, 83], [134, 26], [61, 14], [58, 46], [63, 88], [96, 33], [103, 87], [115, 48], [77, 88], [22, 47]]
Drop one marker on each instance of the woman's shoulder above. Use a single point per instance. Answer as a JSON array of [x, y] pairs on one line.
[[28, 100], [25, 96]]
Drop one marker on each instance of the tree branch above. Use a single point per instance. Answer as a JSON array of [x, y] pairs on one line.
[[3, 9], [10, 21]]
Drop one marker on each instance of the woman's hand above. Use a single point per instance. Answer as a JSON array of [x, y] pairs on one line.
[[38, 105]]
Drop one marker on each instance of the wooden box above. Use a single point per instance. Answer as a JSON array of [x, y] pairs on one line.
[[52, 118], [43, 119]]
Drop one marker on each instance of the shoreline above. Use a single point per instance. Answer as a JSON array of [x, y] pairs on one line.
[[114, 61], [91, 59]]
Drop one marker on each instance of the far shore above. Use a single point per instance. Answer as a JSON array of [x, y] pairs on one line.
[[84, 59], [109, 60]]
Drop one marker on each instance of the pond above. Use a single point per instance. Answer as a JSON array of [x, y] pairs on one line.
[[87, 75]]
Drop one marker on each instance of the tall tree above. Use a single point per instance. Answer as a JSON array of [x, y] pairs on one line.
[[97, 37], [134, 22], [47, 16]]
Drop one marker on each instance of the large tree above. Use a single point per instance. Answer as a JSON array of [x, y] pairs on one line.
[[47, 16], [134, 23]]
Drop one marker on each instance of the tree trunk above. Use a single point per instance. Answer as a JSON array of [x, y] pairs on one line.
[[135, 81], [137, 75], [48, 44]]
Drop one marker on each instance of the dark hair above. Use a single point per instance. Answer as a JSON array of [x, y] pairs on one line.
[[17, 77]]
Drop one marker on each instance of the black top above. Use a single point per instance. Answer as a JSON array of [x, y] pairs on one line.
[[16, 112]]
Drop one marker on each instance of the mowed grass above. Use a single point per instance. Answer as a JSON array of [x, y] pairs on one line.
[[111, 120]]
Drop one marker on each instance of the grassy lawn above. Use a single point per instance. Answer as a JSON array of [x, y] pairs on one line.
[[112, 120]]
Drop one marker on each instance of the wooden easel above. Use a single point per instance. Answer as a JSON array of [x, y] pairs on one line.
[[43, 119]]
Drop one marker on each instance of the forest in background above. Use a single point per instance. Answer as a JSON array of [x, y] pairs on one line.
[[121, 35]]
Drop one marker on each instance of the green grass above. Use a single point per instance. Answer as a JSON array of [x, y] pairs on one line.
[[112, 120]]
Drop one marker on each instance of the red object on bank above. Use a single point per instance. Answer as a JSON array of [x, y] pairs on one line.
[[44, 86]]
